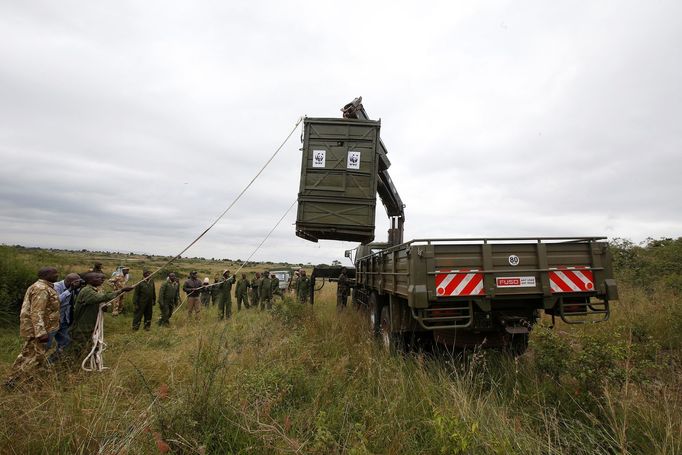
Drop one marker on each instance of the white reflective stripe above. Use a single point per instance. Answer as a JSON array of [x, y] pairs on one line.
[[582, 277], [567, 281], [477, 290], [555, 287], [446, 281], [463, 284]]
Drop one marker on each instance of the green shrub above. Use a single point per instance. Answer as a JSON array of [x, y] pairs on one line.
[[15, 277], [551, 352]]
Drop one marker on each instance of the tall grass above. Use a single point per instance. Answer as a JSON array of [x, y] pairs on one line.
[[312, 380]]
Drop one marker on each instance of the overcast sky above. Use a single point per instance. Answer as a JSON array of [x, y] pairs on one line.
[[129, 126]]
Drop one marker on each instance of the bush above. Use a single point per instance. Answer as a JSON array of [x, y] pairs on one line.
[[551, 352], [15, 277]]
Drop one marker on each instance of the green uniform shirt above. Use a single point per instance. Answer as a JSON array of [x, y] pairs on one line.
[[86, 310], [265, 288], [303, 286], [242, 286], [274, 283], [255, 285], [145, 293], [169, 293], [225, 289]]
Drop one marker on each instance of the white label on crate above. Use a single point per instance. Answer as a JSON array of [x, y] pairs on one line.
[[319, 158], [353, 160], [515, 282]]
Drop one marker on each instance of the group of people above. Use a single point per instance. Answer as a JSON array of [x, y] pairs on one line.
[[259, 292], [63, 314]]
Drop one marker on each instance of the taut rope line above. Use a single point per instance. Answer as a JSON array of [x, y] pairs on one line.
[[249, 258], [94, 357]]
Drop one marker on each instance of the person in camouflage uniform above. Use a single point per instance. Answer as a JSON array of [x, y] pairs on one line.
[[118, 281], [303, 290], [255, 290], [206, 293], [87, 308], [38, 318], [241, 292], [225, 295], [274, 285], [169, 296], [144, 299], [265, 291]]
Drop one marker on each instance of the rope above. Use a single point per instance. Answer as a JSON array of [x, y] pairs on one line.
[[94, 358], [249, 258]]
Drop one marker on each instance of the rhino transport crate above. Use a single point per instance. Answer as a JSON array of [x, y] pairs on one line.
[[337, 195]]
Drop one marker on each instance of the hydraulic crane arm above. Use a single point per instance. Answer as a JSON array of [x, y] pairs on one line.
[[395, 209]]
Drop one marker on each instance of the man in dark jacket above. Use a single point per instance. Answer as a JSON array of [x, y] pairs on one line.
[[144, 298], [242, 292], [255, 293], [192, 287], [87, 308], [265, 291], [303, 287], [169, 296], [225, 295]]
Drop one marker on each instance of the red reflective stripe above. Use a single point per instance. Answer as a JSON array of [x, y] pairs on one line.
[[574, 278], [469, 288], [452, 285], [586, 272], [559, 282], [440, 278]]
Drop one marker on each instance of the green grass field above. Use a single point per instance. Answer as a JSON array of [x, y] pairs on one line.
[[312, 380]]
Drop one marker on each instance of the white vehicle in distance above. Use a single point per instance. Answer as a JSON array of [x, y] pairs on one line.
[[283, 276]]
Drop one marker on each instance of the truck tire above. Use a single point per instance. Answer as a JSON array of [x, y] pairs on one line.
[[392, 341], [518, 344], [374, 314]]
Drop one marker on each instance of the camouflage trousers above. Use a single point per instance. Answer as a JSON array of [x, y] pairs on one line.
[[31, 359], [117, 305]]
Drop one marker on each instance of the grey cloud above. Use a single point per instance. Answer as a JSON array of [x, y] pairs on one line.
[[141, 122]]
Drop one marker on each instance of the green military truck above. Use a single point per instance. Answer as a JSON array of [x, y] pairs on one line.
[[459, 292]]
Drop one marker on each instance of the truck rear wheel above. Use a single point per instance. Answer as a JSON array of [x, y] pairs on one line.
[[374, 314], [392, 341]]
